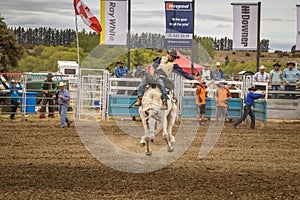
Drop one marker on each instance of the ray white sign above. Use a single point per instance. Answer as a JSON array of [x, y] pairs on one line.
[[245, 26], [113, 18]]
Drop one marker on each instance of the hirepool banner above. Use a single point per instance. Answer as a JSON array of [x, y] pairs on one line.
[[298, 29], [245, 26], [113, 18], [179, 24]]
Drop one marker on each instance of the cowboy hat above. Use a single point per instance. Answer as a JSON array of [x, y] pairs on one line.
[[262, 67], [290, 63], [61, 84], [277, 64], [49, 75], [218, 64], [252, 88], [173, 53], [13, 81], [120, 62]]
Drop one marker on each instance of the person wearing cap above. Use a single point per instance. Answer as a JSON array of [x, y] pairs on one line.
[[161, 69], [63, 98], [201, 94], [251, 96], [276, 79], [218, 73], [289, 76], [14, 87], [120, 72], [48, 88], [261, 76], [206, 73], [222, 97]]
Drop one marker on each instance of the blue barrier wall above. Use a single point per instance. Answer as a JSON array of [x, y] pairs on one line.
[[189, 107], [118, 106], [260, 109]]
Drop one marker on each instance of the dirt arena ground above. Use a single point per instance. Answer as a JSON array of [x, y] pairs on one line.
[[39, 160]]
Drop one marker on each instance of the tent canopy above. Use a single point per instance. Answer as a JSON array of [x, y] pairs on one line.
[[185, 64]]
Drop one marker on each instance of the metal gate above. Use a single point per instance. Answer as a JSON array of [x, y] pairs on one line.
[[92, 92]]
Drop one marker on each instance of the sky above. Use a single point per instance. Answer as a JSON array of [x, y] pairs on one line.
[[212, 17]]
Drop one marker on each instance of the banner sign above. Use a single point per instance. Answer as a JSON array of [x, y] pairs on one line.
[[298, 29], [113, 18], [245, 26], [179, 24]]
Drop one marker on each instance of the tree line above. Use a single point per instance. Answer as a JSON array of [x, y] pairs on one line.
[[39, 49], [54, 37]]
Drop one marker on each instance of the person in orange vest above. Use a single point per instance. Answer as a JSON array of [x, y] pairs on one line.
[[222, 97], [200, 101]]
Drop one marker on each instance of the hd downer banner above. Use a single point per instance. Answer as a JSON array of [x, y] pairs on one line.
[[245, 26], [179, 24], [113, 18], [298, 29]]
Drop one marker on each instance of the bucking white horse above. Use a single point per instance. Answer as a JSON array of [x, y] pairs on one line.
[[155, 119]]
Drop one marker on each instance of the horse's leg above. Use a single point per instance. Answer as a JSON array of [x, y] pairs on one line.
[[148, 151], [165, 134], [171, 121], [145, 126]]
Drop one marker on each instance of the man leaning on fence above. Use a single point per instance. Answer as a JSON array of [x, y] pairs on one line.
[[276, 79], [290, 75], [48, 88]]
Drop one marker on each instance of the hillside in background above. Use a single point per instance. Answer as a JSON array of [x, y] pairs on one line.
[[239, 61]]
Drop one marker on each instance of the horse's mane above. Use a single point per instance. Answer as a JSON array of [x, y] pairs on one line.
[[151, 99]]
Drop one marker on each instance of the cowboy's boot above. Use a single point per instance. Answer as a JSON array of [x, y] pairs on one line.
[[164, 104], [138, 101]]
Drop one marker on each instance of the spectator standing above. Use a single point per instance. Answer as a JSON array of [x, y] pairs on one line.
[[120, 72], [200, 101], [206, 73], [289, 75], [48, 88], [218, 73], [222, 97], [276, 79], [14, 97], [63, 98], [261, 76], [251, 96]]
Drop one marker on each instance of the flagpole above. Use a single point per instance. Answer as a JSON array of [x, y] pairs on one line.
[[79, 74], [128, 34], [258, 36], [77, 41], [192, 59]]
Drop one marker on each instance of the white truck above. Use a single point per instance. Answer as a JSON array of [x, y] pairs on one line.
[[69, 70]]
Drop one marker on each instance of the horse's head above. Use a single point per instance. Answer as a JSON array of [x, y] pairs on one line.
[[153, 116]]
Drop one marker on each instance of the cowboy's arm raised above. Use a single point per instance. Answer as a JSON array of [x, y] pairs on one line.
[[177, 69]]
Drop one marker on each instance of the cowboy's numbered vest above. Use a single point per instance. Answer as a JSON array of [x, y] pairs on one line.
[[166, 65]]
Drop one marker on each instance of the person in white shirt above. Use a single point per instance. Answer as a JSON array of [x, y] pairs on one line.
[[206, 73], [261, 76]]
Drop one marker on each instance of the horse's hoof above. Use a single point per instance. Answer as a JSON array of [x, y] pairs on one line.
[[170, 149], [149, 153], [152, 140], [142, 144]]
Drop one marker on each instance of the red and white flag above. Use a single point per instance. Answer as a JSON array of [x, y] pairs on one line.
[[87, 16]]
